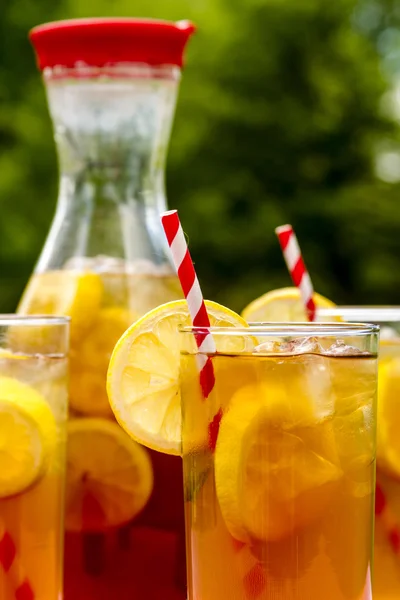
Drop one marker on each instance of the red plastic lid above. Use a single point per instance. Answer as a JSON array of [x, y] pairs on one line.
[[99, 42]]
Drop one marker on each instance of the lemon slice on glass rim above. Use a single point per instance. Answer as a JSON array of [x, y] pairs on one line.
[[143, 375], [282, 305]]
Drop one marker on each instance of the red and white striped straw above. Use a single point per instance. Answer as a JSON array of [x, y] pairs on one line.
[[12, 567], [297, 269], [192, 292], [301, 279], [250, 570]]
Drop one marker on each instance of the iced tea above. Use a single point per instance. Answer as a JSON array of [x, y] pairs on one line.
[[33, 414], [279, 464], [386, 574]]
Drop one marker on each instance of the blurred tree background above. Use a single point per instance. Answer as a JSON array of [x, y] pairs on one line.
[[289, 111]]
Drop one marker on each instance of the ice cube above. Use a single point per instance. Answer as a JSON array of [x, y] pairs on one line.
[[269, 347], [318, 384], [48, 375], [340, 348], [353, 376], [146, 267], [112, 264], [96, 264], [308, 345], [236, 344], [80, 263]]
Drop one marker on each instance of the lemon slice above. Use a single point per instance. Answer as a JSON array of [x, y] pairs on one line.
[[11, 356], [281, 305], [109, 476], [68, 293], [28, 434], [89, 362], [388, 448], [275, 468], [143, 375]]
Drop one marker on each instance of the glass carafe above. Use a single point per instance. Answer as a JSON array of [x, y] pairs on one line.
[[111, 86]]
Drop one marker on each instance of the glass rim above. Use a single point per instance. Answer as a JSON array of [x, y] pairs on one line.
[[286, 329], [365, 313], [33, 320]]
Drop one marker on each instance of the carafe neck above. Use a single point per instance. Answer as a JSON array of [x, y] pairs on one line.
[[112, 128]]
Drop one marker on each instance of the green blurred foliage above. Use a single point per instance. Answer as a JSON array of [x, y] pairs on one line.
[[280, 119]]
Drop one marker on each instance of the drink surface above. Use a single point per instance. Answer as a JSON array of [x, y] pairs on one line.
[[33, 413], [279, 476], [124, 509]]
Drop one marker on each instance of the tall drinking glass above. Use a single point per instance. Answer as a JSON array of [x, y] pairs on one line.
[[279, 462], [387, 525], [33, 413]]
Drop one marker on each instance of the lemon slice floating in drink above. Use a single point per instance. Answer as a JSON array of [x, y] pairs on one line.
[[283, 305], [72, 293], [276, 466], [143, 375], [89, 361], [28, 434], [109, 476]]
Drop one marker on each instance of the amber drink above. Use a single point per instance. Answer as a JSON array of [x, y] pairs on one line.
[[33, 416], [279, 463]]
